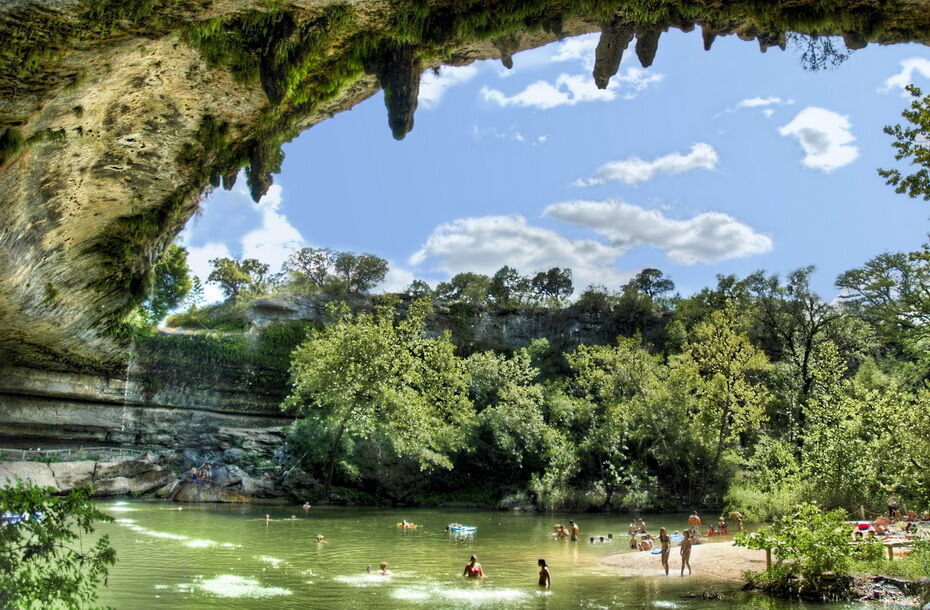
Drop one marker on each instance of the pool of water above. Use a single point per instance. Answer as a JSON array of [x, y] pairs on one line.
[[227, 556]]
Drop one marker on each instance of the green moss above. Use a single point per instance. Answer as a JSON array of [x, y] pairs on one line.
[[11, 143]]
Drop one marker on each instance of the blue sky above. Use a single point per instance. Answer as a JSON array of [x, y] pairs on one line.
[[725, 161]]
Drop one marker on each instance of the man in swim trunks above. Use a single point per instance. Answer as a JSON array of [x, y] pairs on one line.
[[473, 568], [575, 530], [695, 522]]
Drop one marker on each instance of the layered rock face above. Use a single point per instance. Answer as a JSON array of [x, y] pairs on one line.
[[115, 117]]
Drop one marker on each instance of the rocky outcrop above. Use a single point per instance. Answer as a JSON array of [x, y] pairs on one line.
[[130, 477], [116, 117], [616, 34]]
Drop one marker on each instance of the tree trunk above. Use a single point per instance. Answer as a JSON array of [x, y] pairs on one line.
[[333, 453]]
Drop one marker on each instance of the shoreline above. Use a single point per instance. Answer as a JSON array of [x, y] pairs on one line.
[[718, 560]]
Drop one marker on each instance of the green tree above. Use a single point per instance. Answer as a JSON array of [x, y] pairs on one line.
[[553, 286], [235, 276], [43, 562], [653, 283], [418, 289], [372, 373], [912, 142], [315, 264], [508, 288], [807, 545], [360, 272], [731, 398], [171, 282], [467, 287]]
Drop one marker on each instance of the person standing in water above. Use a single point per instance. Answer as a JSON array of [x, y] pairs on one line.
[[686, 553], [473, 568], [384, 569], [575, 530], [666, 543], [545, 577]]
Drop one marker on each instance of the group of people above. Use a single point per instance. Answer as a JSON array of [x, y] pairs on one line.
[[202, 475], [560, 532]]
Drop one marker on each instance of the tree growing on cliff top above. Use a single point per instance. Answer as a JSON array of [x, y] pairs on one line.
[[912, 143], [373, 373], [43, 563], [235, 276]]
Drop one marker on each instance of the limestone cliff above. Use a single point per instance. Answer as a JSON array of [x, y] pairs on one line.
[[117, 115]]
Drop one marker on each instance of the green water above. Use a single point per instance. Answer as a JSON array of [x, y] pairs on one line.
[[227, 556]]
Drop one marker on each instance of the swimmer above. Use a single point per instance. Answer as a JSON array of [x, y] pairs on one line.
[[306, 506], [545, 577], [384, 569], [320, 539], [293, 517], [610, 537], [575, 530], [473, 568], [602, 540], [267, 518], [592, 540]]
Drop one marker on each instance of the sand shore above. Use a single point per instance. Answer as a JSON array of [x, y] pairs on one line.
[[721, 560]]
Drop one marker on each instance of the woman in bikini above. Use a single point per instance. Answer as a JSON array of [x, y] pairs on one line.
[[473, 569], [666, 547], [545, 578]]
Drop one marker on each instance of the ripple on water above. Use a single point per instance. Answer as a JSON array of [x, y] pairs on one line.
[[274, 561], [460, 596], [199, 544], [228, 585], [363, 580], [664, 604]]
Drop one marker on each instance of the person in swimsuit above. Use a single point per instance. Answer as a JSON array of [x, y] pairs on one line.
[[545, 577], [666, 543], [686, 553], [473, 568], [384, 569], [575, 530]]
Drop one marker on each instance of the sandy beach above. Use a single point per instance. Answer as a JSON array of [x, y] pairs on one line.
[[720, 560]]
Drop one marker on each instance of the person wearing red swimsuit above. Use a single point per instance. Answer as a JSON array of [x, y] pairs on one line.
[[473, 569]]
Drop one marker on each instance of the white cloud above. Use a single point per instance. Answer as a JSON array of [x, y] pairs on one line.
[[757, 102], [707, 237], [276, 238], [825, 137], [433, 86], [198, 259], [578, 48], [267, 236], [635, 170], [905, 77], [396, 280], [571, 89], [768, 112], [487, 243], [512, 134]]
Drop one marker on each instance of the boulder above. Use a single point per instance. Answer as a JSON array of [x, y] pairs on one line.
[[125, 468], [37, 472], [69, 475], [194, 492], [118, 486], [148, 481]]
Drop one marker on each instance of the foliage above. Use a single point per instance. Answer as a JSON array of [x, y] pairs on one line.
[[371, 373], [42, 559], [236, 276], [171, 283], [552, 286], [807, 545], [466, 287], [912, 142]]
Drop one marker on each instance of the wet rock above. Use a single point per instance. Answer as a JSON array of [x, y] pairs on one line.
[[233, 455], [647, 44], [615, 37], [194, 492], [507, 45], [398, 70], [150, 481]]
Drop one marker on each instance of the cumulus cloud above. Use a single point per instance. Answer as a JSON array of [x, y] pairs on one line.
[[266, 234], [571, 89], [825, 137], [396, 280], [579, 48], [635, 170], [905, 77], [757, 102], [707, 237], [485, 244], [433, 86], [512, 134]]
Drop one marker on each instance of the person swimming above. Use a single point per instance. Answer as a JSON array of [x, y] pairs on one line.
[[473, 568], [545, 577], [384, 569], [267, 518], [306, 506], [321, 539], [293, 517]]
